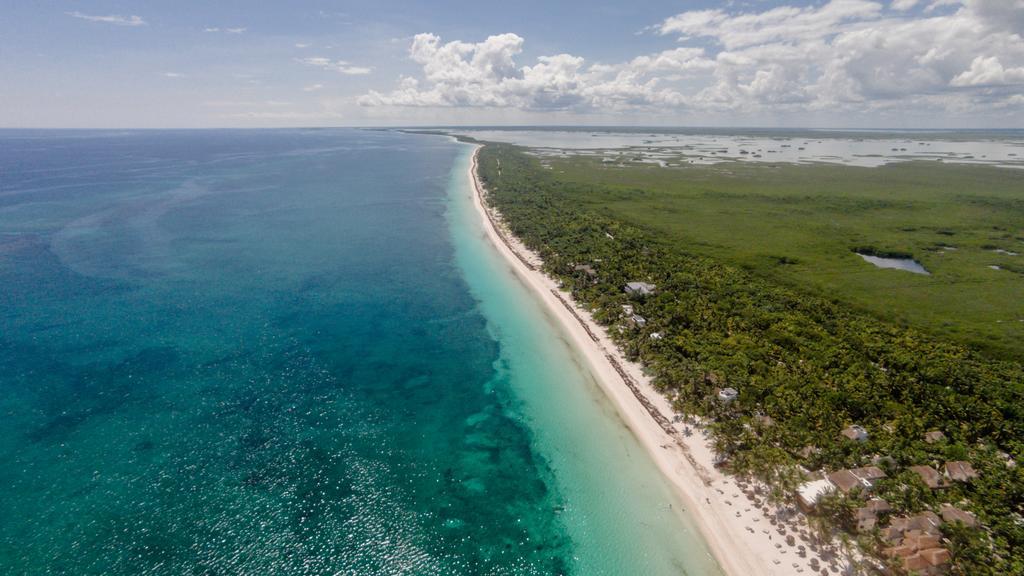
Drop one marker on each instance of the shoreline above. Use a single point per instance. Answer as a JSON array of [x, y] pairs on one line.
[[742, 531]]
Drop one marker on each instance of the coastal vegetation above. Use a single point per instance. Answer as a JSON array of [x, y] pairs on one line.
[[804, 364], [801, 225]]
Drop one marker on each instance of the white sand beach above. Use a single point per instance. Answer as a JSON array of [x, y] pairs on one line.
[[747, 536]]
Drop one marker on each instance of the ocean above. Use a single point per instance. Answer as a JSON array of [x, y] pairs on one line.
[[293, 352]]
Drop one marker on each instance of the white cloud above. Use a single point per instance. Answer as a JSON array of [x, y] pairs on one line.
[[903, 4], [936, 4], [244, 103], [844, 56], [340, 66], [110, 19], [240, 30], [486, 74], [173, 75], [783, 24], [1006, 15], [989, 72], [302, 45], [312, 87], [673, 61]]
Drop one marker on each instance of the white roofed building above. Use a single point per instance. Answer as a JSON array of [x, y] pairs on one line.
[[640, 289]]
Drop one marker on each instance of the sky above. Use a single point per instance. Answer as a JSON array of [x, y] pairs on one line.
[[772, 63]]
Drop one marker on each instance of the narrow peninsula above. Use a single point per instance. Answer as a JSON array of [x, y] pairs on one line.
[[805, 436]]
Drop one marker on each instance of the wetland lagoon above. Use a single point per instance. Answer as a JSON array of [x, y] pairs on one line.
[[867, 148], [906, 264]]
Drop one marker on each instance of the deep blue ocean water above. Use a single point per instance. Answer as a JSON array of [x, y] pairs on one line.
[[288, 352]]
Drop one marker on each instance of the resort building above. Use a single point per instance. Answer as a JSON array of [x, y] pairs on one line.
[[727, 394], [930, 476], [586, 269], [960, 471], [808, 452], [640, 289], [855, 432], [809, 493], [915, 559], [927, 522], [1007, 459], [951, 515], [918, 544], [867, 515], [864, 478]]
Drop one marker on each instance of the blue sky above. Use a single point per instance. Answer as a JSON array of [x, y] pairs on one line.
[[898, 63]]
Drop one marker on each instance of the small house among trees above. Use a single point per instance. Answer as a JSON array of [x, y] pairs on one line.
[[863, 478], [960, 471], [952, 515], [640, 289], [809, 493], [588, 270], [867, 515], [930, 476], [855, 432]]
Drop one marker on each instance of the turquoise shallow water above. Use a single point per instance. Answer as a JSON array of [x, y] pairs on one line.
[[291, 352]]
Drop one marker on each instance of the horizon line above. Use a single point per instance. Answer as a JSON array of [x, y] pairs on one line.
[[645, 127]]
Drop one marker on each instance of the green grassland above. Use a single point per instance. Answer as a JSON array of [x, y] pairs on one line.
[[799, 224]]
